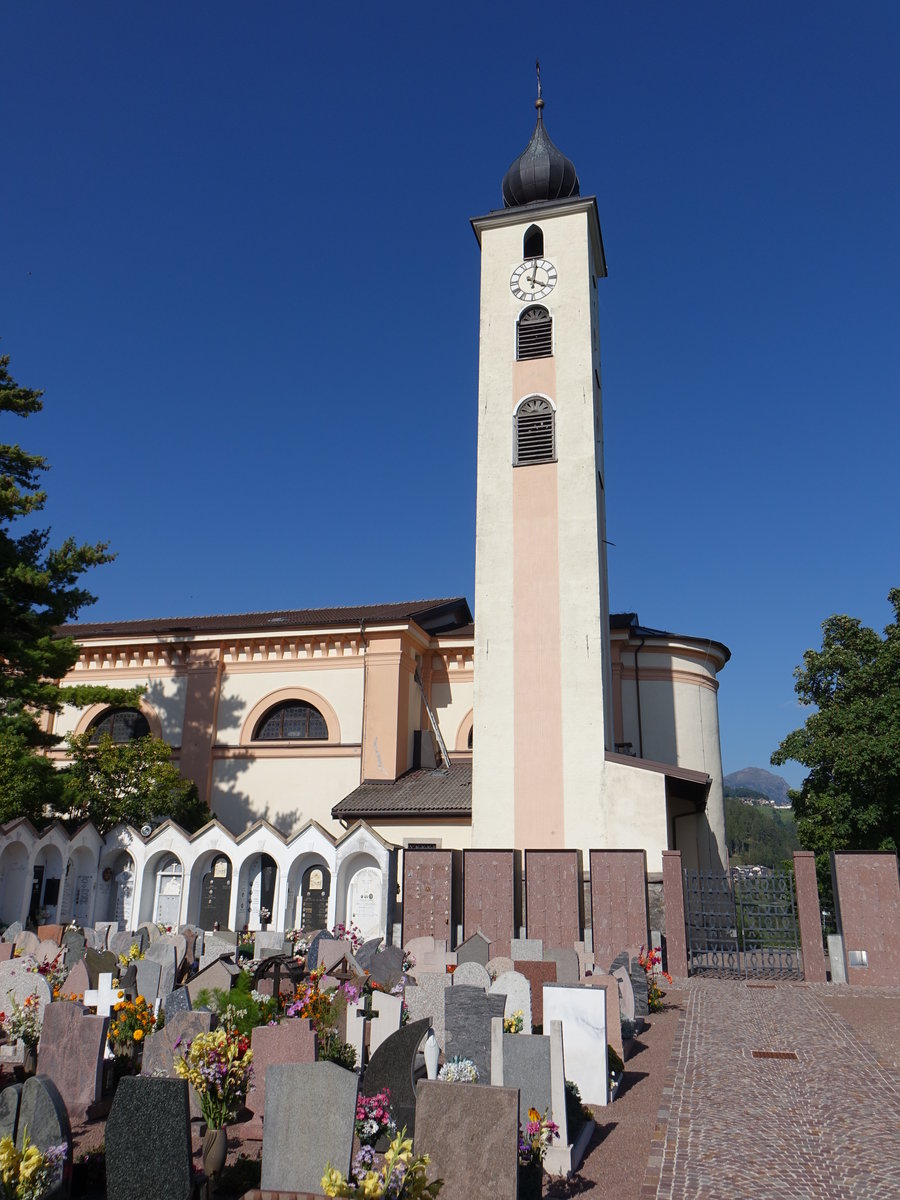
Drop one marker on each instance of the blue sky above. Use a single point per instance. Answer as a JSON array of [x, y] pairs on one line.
[[236, 255]]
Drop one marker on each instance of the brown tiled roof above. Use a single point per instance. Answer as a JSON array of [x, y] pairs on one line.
[[427, 791], [436, 616]]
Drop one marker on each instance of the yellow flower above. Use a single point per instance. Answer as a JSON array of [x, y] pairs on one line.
[[121, 995], [138, 1034]]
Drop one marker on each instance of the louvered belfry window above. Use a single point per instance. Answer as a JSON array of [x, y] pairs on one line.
[[534, 333], [535, 432]]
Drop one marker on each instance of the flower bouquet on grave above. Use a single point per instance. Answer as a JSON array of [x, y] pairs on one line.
[[349, 933], [134, 953], [651, 961], [515, 1023], [23, 1021], [54, 973], [130, 1022], [534, 1142], [373, 1118], [29, 1173], [217, 1066], [402, 1177], [459, 1070]]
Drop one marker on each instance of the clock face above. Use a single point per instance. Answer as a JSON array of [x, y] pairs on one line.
[[533, 279]]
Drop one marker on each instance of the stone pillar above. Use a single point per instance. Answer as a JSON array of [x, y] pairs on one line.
[[809, 917], [673, 888], [492, 896], [198, 736]]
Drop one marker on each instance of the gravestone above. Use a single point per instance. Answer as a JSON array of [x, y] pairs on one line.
[[471, 974], [221, 974], [523, 1062], [625, 993], [164, 954], [267, 940], [20, 983], [467, 1015], [121, 943], [9, 1110], [176, 1002], [639, 983], [148, 1141], [418, 946], [27, 943], [475, 949], [393, 1066], [160, 1051], [93, 939], [147, 978], [426, 1000], [73, 1044], [369, 949], [100, 962], [51, 933], [105, 930], [377, 1015], [582, 1011], [293, 1041], [499, 966], [332, 951], [386, 968], [614, 1013], [517, 990], [485, 1121], [214, 946], [522, 949], [537, 974], [75, 946], [48, 951], [12, 931], [309, 1122], [179, 943], [6, 951], [77, 981], [568, 969], [312, 957], [43, 1114], [151, 930]]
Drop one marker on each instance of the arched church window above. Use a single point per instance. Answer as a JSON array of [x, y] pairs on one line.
[[122, 725], [534, 333], [294, 720], [533, 242], [535, 434]]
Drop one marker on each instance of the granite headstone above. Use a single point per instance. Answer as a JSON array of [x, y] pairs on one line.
[[483, 1120], [467, 1014], [309, 1122], [393, 1066], [148, 1141]]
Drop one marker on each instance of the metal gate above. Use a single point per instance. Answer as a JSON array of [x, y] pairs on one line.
[[742, 925]]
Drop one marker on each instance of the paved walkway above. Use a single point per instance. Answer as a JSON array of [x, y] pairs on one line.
[[822, 1120]]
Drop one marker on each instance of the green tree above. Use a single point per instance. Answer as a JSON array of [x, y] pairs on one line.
[[850, 800], [38, 591], [135, 781]]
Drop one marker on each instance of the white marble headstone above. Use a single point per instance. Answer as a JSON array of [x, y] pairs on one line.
[[582, 1011]]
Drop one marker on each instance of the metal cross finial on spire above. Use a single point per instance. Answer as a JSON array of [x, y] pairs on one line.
[[539, 103]]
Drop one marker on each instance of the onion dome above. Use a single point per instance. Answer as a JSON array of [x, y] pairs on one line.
[[542, 171]]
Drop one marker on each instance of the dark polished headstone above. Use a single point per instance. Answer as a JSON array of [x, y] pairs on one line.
[[148, 1141], [639, 983], [100, 962], [468, 1012], [393, 1066], [10, 1099], [386, 968], [367, 952], [176, 1002], [312, 958]]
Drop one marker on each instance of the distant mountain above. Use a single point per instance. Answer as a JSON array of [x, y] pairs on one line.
[[756, 779]]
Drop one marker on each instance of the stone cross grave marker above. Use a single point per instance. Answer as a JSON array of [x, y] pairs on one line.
[[104, 997], [309, 1121]]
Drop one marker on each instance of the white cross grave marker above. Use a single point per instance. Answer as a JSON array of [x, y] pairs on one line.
[[104, 997]]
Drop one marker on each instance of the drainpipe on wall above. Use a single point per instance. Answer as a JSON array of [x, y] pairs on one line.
[[445, 757], [637, 690]]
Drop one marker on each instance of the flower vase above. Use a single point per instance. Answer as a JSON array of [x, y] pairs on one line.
[[215, 1151], [531, 1181], [29, 1062], [432, 1054]]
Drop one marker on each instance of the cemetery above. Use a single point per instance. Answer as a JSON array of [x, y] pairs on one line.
[[177, 1061]]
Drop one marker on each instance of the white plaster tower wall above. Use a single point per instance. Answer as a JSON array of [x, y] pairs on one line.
[[541, 616]]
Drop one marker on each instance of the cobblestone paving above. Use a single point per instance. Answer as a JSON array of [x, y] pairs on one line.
[[732, 1126]]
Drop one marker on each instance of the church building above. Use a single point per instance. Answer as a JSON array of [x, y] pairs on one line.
[[328, 740]]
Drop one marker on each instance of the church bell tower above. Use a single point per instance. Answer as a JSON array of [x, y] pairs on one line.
[[542, 694]]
